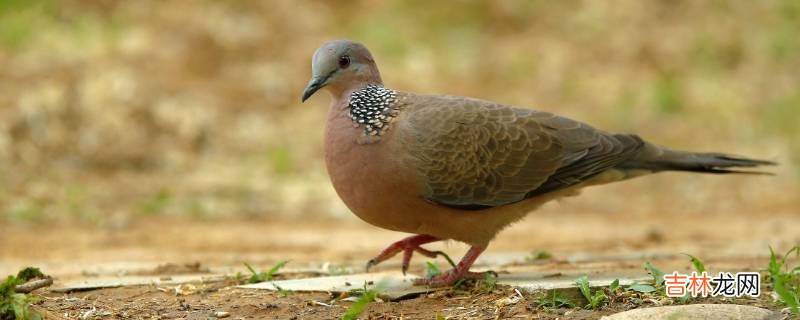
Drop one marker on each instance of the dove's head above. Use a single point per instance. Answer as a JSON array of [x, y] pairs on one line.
[[341, 65]]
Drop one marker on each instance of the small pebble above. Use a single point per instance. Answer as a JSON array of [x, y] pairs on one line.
[[221, 314]]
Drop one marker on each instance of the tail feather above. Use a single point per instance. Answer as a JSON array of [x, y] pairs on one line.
[[714, 163], [662, 159]]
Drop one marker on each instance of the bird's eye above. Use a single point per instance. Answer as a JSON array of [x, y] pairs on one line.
[[344, 61]]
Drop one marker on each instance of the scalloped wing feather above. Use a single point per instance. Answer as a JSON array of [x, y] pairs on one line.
[[475, 154]]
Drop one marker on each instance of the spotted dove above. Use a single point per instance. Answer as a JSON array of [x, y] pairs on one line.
[[447, 167]]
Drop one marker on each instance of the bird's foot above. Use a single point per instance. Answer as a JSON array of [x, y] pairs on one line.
[[460, 271], [452, 276], [408, 246]]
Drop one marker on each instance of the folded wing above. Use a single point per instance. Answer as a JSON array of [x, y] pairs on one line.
[[474, 154]]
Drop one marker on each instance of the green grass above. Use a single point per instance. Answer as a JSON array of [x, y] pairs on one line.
[[360, 305], [366, 296], [257, 277], [459, 287], [554, 300], [489, 282], [614, 285], [432, 269], [699, 267], [596, 299], [784, 279], [642, 288], [657, 282], [698, 264], [538, 255], [17, 305], [785, 282], [281, 291], [656, 273]]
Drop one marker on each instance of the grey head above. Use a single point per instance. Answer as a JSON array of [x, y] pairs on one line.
[[341, 65]]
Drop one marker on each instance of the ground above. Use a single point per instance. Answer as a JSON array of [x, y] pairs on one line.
[[578, 241]]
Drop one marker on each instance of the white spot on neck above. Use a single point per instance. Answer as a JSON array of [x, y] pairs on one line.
[[372, 107]]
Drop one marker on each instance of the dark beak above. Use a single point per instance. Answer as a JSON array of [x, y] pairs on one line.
[[315, 84]]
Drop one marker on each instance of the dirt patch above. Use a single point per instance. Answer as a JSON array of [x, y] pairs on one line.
[[164, 248], [206, 301]]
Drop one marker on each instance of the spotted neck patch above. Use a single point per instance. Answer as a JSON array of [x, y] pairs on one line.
[[372, 107]]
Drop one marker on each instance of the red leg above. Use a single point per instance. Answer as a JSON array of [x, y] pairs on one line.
[[407, 246], [461, 271]]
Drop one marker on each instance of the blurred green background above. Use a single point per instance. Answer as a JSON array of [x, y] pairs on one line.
[[112, 111]]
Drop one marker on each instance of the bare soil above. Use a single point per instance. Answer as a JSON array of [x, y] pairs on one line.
[[578, 241], [147, 302]]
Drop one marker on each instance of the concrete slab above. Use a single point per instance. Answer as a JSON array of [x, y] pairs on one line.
[[391, 285], [536, 281], [113, 282]]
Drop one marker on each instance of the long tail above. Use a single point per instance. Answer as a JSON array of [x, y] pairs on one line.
[[655, 158]]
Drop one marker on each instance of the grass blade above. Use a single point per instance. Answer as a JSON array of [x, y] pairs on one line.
[[697, 263], [658, 275]]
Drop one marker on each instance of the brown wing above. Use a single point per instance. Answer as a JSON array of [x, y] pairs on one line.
[[475, 154]]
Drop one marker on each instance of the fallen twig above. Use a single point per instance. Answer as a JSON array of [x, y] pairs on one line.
[[33, 285]]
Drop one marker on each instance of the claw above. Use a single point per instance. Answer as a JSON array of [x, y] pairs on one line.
[[460, 271], [407, 253], [371, 263], [407, 246]]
